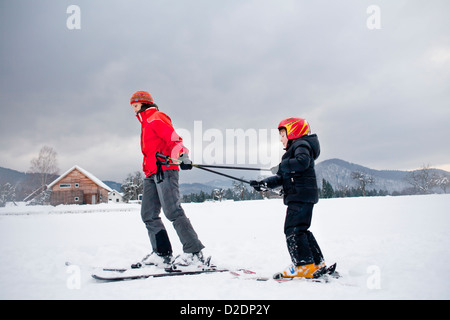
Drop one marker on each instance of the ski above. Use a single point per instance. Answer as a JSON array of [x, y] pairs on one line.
[[246, 274], [324, 277], [144, 273]]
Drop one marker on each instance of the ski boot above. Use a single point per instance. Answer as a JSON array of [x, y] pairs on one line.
[[153, 259], [192, 260], [308, 271]]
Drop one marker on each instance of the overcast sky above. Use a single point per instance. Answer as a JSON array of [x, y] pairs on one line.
[[376, 97]]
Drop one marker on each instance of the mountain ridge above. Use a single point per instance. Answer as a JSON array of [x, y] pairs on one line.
[[336, 171]]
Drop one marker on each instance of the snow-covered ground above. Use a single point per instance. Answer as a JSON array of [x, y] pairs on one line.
[[385, 247]]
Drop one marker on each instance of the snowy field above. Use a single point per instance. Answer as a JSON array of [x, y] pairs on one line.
[[385, 247]]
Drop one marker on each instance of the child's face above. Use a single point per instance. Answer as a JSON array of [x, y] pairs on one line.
[[283, 137], [136, 106]]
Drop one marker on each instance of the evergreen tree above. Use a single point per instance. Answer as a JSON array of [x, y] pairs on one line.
[[327, 189]]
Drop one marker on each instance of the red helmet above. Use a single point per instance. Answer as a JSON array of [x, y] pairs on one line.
[[295, 127]]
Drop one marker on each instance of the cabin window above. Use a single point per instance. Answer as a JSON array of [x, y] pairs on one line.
[[77, 199], [65, 185], [77, 185]]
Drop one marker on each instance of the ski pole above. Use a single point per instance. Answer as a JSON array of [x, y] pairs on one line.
[[160, 173], [176, 161], [206, 167], [221, 174], [231, 167]]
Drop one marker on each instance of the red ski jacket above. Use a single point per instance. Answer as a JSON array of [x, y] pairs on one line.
[[158, 135]]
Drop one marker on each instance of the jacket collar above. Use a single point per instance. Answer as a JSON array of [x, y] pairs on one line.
[[144, 115]]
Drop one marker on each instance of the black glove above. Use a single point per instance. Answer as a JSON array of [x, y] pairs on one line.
[[185, 164], [256, 185]]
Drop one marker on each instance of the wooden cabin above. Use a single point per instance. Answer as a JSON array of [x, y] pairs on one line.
[[78, 186]]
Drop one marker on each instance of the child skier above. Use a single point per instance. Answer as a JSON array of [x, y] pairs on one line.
[[158, 136], [297, 176]]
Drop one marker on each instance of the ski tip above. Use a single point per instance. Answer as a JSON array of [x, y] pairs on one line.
[[103, 279], [246, 271]]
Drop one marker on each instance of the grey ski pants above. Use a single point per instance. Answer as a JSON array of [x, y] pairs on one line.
[[166, 195]]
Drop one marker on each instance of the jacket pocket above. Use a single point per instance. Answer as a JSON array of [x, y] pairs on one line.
[[289, 185]]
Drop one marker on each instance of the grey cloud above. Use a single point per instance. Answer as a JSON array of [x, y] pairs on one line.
[[373, 96]]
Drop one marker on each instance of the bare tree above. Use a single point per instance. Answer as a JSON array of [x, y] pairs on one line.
[[363, 180], [422, 180], [7, 193], [45, 165], [218, 194], [443, 182], [239, 189], [133, 186]]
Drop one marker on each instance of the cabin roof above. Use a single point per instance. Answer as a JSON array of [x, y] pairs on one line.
[[86, 173]]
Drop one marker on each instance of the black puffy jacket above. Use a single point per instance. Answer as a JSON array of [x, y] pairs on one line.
[[296, 171]]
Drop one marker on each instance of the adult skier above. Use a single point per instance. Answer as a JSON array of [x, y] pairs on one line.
[[159, 136], [297, 176]]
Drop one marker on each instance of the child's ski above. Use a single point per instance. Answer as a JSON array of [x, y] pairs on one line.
[[246, 274]]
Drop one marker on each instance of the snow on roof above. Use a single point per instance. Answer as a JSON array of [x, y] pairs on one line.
[[86, 173]]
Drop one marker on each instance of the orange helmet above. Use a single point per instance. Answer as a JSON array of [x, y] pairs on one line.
[[295, 127]]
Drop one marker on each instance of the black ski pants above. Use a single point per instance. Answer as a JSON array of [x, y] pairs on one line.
[[303, 247]]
